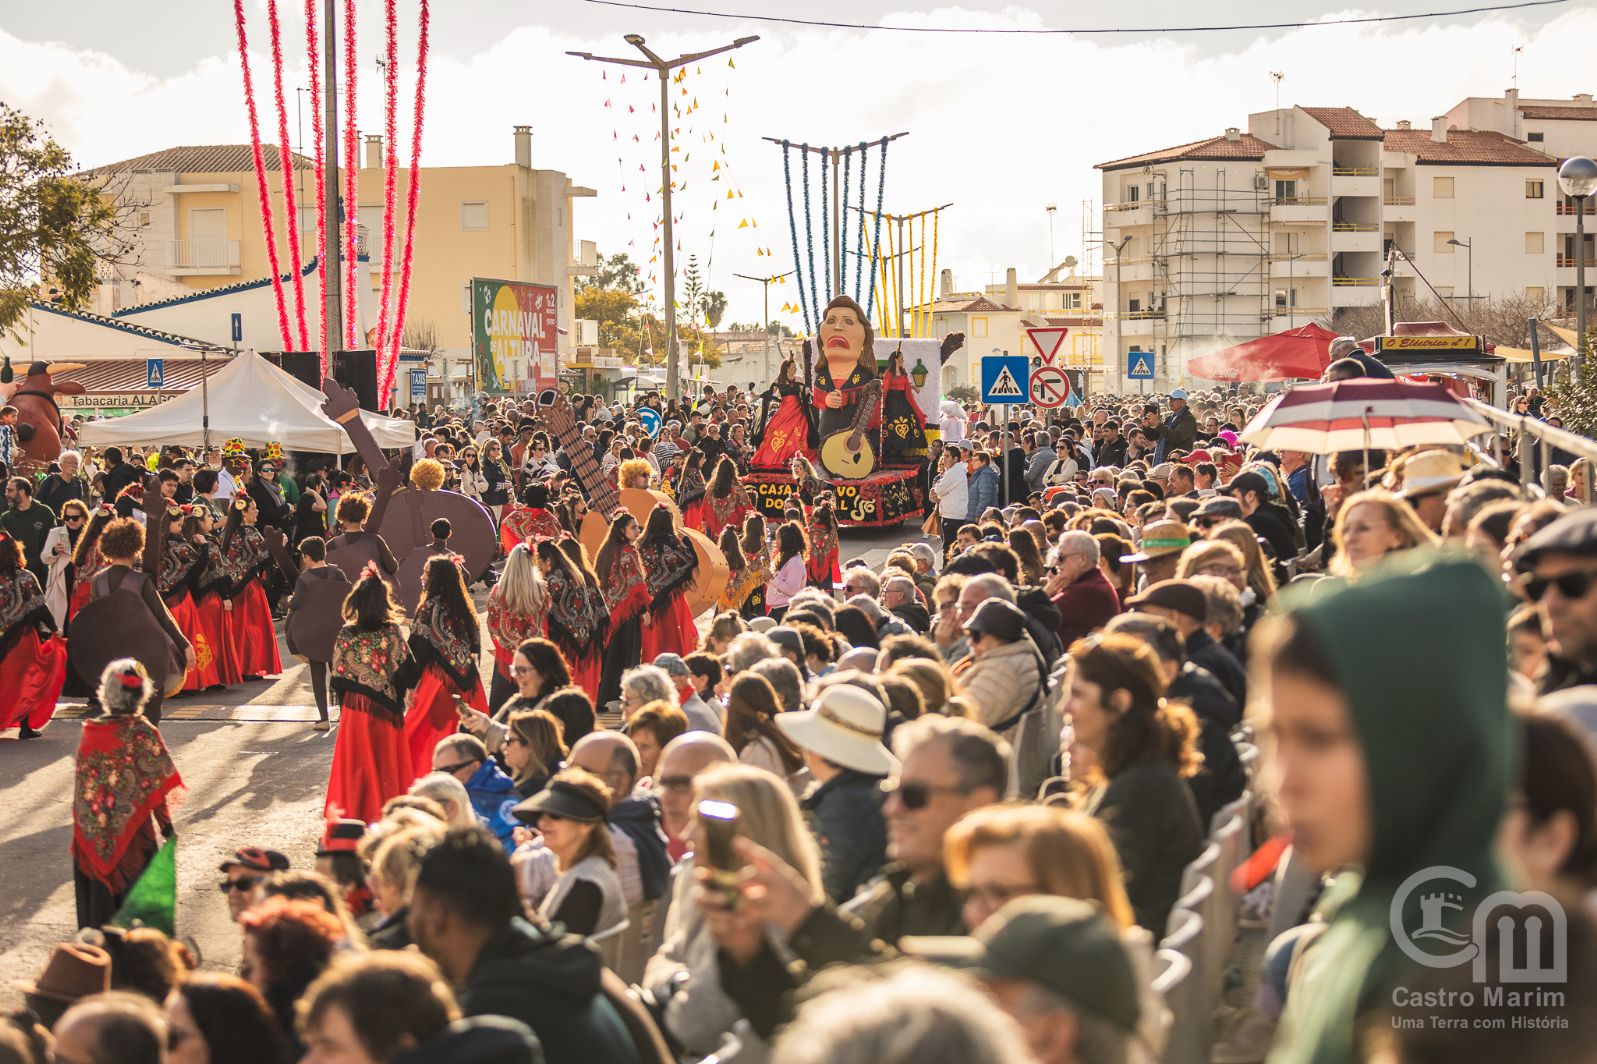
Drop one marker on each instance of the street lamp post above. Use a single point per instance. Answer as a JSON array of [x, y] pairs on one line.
[[1578, 178], [765, 284], [1120, 328], [663, 68], [1469, 246]]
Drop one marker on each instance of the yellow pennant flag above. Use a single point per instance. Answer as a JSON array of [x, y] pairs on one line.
[[729, 194], [744, 224]]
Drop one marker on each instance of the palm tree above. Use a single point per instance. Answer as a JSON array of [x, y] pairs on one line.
[[714, 307]]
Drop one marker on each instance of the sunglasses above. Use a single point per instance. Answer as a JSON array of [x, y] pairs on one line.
[[1570, 585], [676, 784], [243, 884], [457, 766], [914, 794]]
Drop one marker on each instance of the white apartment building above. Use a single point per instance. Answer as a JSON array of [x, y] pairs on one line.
[[996, 320], [1237, 236]]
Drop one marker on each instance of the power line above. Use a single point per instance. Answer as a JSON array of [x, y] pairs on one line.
[[1090, 30]]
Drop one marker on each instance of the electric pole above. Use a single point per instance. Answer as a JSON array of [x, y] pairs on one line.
[[765, 284], [662, 68]]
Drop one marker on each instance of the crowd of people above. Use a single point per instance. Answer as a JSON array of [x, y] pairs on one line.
[[1130, 763]]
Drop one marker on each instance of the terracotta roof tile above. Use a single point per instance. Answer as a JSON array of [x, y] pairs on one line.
[[201, 159], [1466, 147], [1578, 114], [1344, 123], [1247, 146]]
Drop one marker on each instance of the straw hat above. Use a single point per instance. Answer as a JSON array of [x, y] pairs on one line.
[[1429, 472], [845, 727], [1160, 538]]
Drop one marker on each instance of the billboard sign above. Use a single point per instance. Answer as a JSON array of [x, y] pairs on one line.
[[513, 335]]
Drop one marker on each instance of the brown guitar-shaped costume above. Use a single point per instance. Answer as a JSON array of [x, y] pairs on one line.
[[711, 577], [403, 515], [38, 418]]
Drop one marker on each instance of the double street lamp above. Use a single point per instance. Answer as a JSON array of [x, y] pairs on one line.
[[1578, 179]]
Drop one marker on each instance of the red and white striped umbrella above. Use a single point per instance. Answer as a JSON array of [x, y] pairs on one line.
[[1349, 415]]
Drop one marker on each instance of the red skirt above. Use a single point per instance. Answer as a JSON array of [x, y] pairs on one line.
[[370, 764], [673, 630], [432, 716], [205, 672], [824, 572], [712, 527], [786, 437], [216, 628], [693, 514], [81, 593], [254, 636], [31, 675], [585, 671]]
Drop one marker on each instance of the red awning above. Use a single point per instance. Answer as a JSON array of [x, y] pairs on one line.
[[1297, 354]]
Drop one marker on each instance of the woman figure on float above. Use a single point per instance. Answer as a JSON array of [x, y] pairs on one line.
[[845, 365], [903, 424], [787, 421]]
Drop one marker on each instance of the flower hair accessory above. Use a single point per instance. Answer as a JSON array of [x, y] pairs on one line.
[[241, 503], [131, 680], [371, 570]]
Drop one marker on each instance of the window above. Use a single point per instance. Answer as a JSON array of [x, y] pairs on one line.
[[1535, 243], [1533, 189], [1133, 305], [1439, 243], [1442, 187], [208, 223], [1535, 138], [1286, 191], [1072, 300], [1535, 295], [474, 215], [1133, 193], [978, 327], [1285, 298]]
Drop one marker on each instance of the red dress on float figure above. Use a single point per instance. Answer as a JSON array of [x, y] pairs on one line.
[[903, 423], [371, 671], [669, 565], [211, 586], [577, 620], [787, 431], [446, 647], [33, 658], [254, 635]]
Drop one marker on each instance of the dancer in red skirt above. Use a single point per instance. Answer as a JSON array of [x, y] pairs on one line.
[[726, 503], [621, 579], [33, 659], [787, 421], [669, 565], [587, 666], [254, 636], [445, 640], [690, 489], [576, 624], [179, 562], [517, 608], [822, 570], [531, 520], [212, 605], [372, 670]]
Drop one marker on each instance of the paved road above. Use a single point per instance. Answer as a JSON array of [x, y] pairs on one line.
[[255, 774]]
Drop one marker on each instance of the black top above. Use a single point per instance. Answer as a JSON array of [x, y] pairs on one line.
[[579, 911]]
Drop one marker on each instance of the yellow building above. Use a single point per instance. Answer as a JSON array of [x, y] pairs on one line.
[[196, 216]]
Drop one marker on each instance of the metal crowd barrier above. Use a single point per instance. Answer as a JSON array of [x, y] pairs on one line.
[[1547, 437]]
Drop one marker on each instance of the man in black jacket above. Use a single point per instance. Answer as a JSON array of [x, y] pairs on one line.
[[1267, 518], [465, 913], [1183, 604], [1179, 428]]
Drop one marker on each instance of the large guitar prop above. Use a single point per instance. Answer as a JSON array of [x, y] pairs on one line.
[[711, 577], [403, 515], [849, 454]]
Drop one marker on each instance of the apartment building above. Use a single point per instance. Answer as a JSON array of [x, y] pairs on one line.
[[1240, 235], [196, 217], [996, 319]]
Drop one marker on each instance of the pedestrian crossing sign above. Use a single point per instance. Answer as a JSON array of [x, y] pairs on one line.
[[1139, 365], [1005, 379]]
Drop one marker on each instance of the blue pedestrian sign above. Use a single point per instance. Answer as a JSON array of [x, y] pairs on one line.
[[238, 327], [155, 373], [649, 418], [418, 385], [1005, 379], [1139, 365]]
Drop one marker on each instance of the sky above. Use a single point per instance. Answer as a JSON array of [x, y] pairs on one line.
[[1000, 126]]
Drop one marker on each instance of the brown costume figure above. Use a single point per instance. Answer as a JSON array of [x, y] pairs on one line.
[[39, 425], [407, 513]]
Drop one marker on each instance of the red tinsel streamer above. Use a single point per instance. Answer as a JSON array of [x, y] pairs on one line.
[[390, 182], [285, 159], [351, 174], [260, 175], [412, 197], [313, 63]]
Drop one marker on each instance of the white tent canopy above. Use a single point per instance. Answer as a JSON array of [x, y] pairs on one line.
[[253, 400]]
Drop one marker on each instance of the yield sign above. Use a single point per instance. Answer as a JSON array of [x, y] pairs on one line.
[[1049, 387], [1047, 342]]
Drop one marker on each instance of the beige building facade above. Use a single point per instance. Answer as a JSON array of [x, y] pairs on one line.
[[1251, 232]]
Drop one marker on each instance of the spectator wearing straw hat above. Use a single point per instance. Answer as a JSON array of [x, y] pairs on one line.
[[1160, 550], [1427, 478], [841, 738]]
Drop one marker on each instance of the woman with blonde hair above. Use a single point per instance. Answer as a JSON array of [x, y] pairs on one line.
[[1371, 525], [1260, 578], [534, 749], [726, 627], [451, 796], [518, 608], [937, 686], [392, 876], [698, 1011]]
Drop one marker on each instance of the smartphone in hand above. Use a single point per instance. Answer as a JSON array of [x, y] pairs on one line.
[[718, 826]]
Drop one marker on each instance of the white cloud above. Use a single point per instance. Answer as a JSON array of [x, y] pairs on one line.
[[1001, 126]]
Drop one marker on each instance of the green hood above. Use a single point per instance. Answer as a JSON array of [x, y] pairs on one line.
[[1417, 646]]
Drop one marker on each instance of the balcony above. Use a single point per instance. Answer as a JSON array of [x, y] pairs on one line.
[[1311, 264], [1140, 315], [191, 258], [1298, 210], [1355, 282], [1571, 261], [1569, 208], [1355, 181], [1355, 236]]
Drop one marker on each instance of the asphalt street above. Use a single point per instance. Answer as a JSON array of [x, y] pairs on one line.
[[254, 774]]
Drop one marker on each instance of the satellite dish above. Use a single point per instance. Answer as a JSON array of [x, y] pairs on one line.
[[1070, 262]]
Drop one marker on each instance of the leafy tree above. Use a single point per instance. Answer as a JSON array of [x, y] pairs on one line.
[[1574, 394], [615, 310], [55, 229], [616, 272]]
